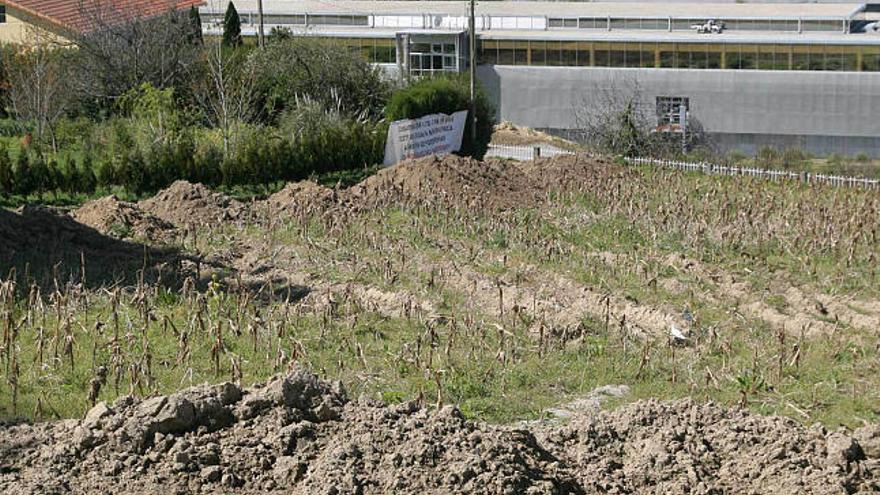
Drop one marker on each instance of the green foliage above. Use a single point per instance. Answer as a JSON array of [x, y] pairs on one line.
[[446, 95], [22, 179], [6, 172], [231, 27], [290, 70], [195, 20]]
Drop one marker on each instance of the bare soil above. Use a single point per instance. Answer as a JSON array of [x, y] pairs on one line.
[[450, 181], [302, 435], [187, 204], [122, 219]]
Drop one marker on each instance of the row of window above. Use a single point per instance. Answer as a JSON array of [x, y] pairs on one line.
[[677, 24], [297, 19], [374, 50], [681, 55]]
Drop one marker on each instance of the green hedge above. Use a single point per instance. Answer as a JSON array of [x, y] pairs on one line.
[[263, 158], [446, 94]]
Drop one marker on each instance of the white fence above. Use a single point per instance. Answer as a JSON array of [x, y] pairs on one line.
[[532, 152]]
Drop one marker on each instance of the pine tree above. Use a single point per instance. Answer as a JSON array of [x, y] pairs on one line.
[[22, 178], [6, 173], [88, 182], [39, 175], [195, 20], [231, 27]]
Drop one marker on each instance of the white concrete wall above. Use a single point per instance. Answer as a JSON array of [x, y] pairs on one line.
[[827, 109]]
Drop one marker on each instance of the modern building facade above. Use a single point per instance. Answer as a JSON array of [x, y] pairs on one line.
[[783, 74]]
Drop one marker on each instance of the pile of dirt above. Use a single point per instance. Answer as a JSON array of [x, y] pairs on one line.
[[450, 180], [685, 447], [49, 244], [186, 204], [300, 435], [573, 172], [122, 219], [508, 133], [298, 198]]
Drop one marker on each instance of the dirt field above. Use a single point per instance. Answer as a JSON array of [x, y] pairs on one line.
[[731, 314]]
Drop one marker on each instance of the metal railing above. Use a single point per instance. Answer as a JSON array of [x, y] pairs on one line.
[[519, 152]]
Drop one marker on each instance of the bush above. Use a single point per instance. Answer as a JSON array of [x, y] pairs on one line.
[[289, 70], [446, 95]]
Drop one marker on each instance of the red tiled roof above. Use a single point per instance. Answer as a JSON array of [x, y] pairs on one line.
[[80, 15]]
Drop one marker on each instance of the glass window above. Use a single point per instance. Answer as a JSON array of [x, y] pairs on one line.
[[667, 55], [871, 59], [554, 54], [800, 57], [601, 58], [554, 22], [568, 53], [386, 51], [586, 54], [538, 52], [713, 55], [593, 23], [766, 59], [521, 53], [822, 26], [284, 19], [488, 52], [506, 52], [647, 55], [618, 23], [616, 55]]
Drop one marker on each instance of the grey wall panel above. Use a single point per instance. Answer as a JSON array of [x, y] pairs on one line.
[[780, 103]]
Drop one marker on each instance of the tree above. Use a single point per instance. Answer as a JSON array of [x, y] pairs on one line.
[[614, 116], [446, 95], [226, 95], [231, 27], [120, 49], [38, 88], [6, 172], [22, 178], [196, 26]]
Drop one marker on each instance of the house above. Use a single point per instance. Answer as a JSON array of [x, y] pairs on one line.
[[57, 21]]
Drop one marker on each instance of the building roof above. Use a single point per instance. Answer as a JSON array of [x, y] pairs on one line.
[[553, 9], [82, 15]]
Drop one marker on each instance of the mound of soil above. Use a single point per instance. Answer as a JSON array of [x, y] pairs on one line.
[[301, 198], [122, 219], [444, 181], [301, 435], [685, 447], [49, 244], [579, 172], [186, 204]]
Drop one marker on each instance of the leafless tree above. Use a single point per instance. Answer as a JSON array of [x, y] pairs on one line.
[[38, 88], [227, 93], [122, 46], [615, 116]]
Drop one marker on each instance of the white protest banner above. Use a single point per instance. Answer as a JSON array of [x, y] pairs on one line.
[[435, 134]]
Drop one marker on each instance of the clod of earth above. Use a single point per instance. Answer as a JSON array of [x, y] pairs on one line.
[[300, 434]]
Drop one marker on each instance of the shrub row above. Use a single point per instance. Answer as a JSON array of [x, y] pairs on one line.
[[264, 157]]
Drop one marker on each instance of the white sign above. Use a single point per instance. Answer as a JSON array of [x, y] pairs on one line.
[[436, 134]]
